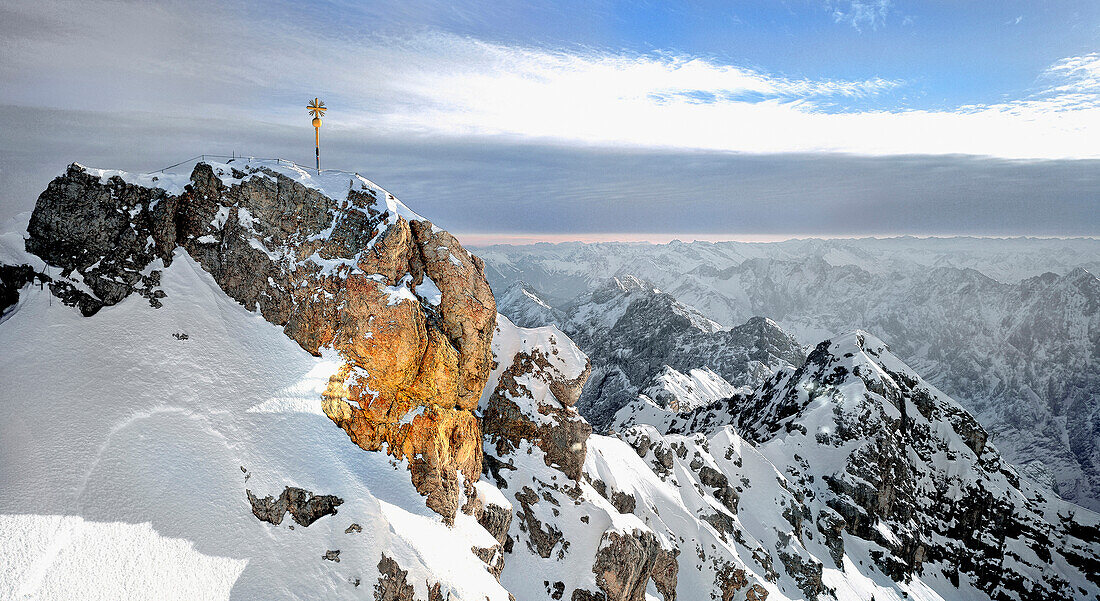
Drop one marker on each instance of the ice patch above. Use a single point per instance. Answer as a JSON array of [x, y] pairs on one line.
[[429, 291], [400, 292]]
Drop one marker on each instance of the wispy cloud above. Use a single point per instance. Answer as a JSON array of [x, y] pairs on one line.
[[860, 13], [466, 86], [1075, 75]]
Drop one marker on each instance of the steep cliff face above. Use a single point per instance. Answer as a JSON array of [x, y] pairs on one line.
[[335, 260]]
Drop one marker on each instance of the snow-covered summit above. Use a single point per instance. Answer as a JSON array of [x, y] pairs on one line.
[[917, 474], [686, 391], [889, 477], [526, 308], [608, 303], [333, 183]]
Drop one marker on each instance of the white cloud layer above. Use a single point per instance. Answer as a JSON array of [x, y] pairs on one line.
[[468, 87], [186, 60], [1078, 75]]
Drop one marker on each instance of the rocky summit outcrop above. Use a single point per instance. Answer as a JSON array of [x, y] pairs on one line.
[[537, 383], [335, 260]]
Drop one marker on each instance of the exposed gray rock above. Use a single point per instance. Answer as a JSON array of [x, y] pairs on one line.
[[12, 279], [625, 563], [304, 507], [505, 424], [664, 573], [496, 520], [541, 539], [722, 489], [392, 584]]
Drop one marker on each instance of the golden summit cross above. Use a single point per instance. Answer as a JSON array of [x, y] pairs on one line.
[[317, 109]]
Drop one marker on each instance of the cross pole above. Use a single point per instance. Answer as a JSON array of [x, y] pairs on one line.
[[317, 108]]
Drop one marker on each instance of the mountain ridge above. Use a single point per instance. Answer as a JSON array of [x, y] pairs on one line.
[[633, 331], [982, 340]]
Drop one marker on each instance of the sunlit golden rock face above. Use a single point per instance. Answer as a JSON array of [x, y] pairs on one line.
[[414, 371], [439, 442], [403, 305], [398, 392]]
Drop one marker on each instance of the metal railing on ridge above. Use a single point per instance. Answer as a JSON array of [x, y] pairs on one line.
[[276, 160]]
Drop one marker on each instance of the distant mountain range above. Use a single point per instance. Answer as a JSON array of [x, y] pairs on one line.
[[1009, 327]]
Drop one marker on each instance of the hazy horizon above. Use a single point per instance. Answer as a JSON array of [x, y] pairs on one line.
[[485, 239]]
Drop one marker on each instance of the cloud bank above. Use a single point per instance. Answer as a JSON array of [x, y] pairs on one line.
[[497, 191], [670, 101]]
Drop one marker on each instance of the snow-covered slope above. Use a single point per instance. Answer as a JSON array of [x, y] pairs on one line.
[[1010, 328], [856, 480], [685, 391], [854, 473], [526, 308], [126, 453]]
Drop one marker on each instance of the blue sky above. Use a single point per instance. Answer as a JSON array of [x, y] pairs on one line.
[[586, 102], [949, 52]]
